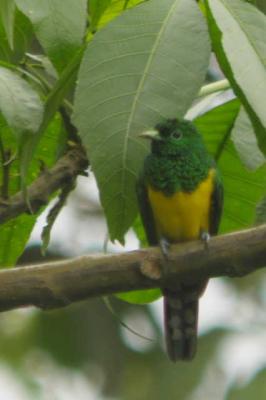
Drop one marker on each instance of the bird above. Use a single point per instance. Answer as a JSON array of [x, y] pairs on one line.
[[180, 198]]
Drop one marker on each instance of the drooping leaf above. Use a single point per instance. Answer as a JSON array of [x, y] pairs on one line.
[[19, 103], [22, 36], [243, 188], [7, 14], [22, 109], [245, 142], [59, 26], [238, 30], [4, 47], [136, 71], [52, 103], [61, 88]]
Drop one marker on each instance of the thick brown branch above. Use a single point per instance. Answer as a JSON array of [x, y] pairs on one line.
[[73, 163], [57, 284]]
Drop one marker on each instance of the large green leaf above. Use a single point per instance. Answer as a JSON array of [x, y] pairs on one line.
[[7, 14], [19, 103], [59, 26], [238, 30], [243, 188], [147, 64], [245, 142]]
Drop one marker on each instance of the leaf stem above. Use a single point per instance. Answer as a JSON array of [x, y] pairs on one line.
[[5, 155], [214, 87]]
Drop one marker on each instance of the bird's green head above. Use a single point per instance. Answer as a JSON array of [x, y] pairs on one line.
[[173, 136]]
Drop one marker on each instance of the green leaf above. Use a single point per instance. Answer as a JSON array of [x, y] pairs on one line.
[[238, 30], [261, 212], [4, 47], [53, 101], [146, 65], [22, 37], [245, 142], [61, 88], [140, 232], [253, 390], [115, 8], [59, 26], [243, 188], [96, 9], [261, 4], [15, 234], [140, 296], [23, 111], [19, 103], [7, 14]]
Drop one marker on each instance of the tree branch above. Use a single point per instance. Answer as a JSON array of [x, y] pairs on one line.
[[73, 163], [57, 284]]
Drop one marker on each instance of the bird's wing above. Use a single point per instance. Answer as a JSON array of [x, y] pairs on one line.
[[216, 206], [146, 212]]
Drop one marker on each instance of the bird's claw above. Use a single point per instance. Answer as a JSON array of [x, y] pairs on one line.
[[205, 237], [165, 246]]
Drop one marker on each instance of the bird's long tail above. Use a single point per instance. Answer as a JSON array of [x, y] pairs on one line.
[[181, 321]]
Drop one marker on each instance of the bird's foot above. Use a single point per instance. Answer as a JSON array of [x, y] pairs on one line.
[[165, 246], [205, 237]]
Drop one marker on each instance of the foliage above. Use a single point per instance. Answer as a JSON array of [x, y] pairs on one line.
[[143, 65], [117, 67]]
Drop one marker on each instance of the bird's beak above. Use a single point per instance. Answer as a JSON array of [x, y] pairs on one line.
[[152, 135]]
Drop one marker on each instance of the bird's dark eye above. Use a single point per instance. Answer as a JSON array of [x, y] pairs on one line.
[[177, 134]]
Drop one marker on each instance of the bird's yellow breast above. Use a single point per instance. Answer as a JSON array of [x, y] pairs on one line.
[[182, 216]]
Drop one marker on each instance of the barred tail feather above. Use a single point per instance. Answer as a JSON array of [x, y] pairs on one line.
[[181, 320]]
